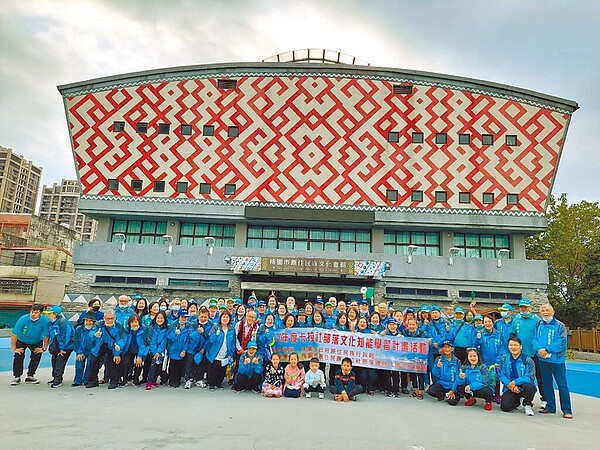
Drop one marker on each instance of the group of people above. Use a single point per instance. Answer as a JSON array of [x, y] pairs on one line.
[[180, 342]]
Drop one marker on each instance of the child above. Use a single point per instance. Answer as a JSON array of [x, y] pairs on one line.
[[273, 384], [314, 381], [294, 377], [345, 387], [474, 381], [83, 346]]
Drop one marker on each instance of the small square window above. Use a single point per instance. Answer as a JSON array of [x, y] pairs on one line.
[[136, 185], [186, 130], [402, 89], [416, 196], [164, 128], [182, 187], [205, 188], [208, 130], [118, 126], [393, 137], [233, 132], [511, 139], [441, 196], [512, 199], [159, 186], [113, 184], [141, 127], [464, 197], [417, 138], [464, 139], [392, 195], [487, 139], [488, 198], [229, 189], [441, 138]]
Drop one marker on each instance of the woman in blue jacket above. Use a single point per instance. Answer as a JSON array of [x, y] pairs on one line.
[[138, 349], [177, 344], [221, 350], [474, 380], [158, 346], [492, 349]]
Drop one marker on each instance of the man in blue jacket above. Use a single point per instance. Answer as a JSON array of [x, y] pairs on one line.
[[61, 345], [30, 332], [517, 374], [550, 343], [524, 326], [446, 371]]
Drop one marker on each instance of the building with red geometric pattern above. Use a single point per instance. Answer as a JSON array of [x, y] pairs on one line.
[[313, 178]]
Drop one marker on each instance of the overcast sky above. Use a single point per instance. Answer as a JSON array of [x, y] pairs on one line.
[[547, 46]]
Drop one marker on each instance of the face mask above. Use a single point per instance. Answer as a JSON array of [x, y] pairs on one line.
[[176, 307], [95, 308], [53, 320], [504, 314], [469, 319], [450, 316], [163, 308], [34, 320], [135, 328], [547, 319], [123, 307], [479, 327], [526, 314]]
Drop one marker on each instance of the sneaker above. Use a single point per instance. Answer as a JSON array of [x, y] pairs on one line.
[[212, 388], [256, 391], [487, 407], [389, 394], [76, 384], [543, 404], [397, 395], [321, 395], [32, 380], [405, 391], [471, 401], [202, 383], [546, 411], [371, 393], [56, 385], [113, 385], [308, 395], [92, 384], [50, 382], [219, 386], [528, 410], [498, 400], [148, 386], [188, 384], [15, 381]]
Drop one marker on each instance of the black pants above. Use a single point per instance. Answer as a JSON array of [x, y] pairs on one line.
[[154, 371], [176, 369], [538, 377], [112, 372], [216, 373], [357, 389], [485, 393], [243, 382], [392, 382], [438, 391], [510, 400], [34, 358], [333, 368], [366, 377], [461, 353], [59, 362], [418, 380], [292, 393], [318, 388], [130, 368]]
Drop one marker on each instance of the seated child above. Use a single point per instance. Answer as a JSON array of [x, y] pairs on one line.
[[273, 384], [345, 387], [294, 377], [314, 381]]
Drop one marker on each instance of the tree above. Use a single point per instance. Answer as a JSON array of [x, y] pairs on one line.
[[571, 244]]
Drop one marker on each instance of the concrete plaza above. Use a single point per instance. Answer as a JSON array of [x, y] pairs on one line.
[[36, 416]]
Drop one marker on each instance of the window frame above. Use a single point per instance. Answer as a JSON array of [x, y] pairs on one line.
[[208, 130], [179, 186], [415, 194], [441, 138]]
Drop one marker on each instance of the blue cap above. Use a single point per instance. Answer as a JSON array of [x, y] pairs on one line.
[[54, 309], [223, 306], [364, 301], [524, 302], [506, 307], [183, 313], [328, 304], [447, 342], [435, 308], [252, 344], [409, 310], [424, 308], [319, 300], [477, 317], [237, 301], [261, 303], [392, 320], [192, 302], [212, 303], [459, 310]]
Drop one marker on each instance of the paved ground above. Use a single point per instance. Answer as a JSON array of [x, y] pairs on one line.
[[35, 416]]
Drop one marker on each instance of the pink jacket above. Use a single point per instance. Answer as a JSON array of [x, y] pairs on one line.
[[294, 378]]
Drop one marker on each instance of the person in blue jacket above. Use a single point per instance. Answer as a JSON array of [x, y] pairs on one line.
[[412, 330], [280, 317], [505, 323], [517, 374], [220, 350], [194, 355], [123, 310], [61, 343], [492, 348], [177, 344], [524, 326], [329, 316], [550, 342], [249, 373], [30, 332], [138, 348], [110, 338], [446, 370], [474, 380], [461, 333], [82, 347], [158, 348], [438, 330], [265, 339]]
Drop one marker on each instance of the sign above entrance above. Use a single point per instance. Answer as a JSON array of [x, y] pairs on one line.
[[308, 265]]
